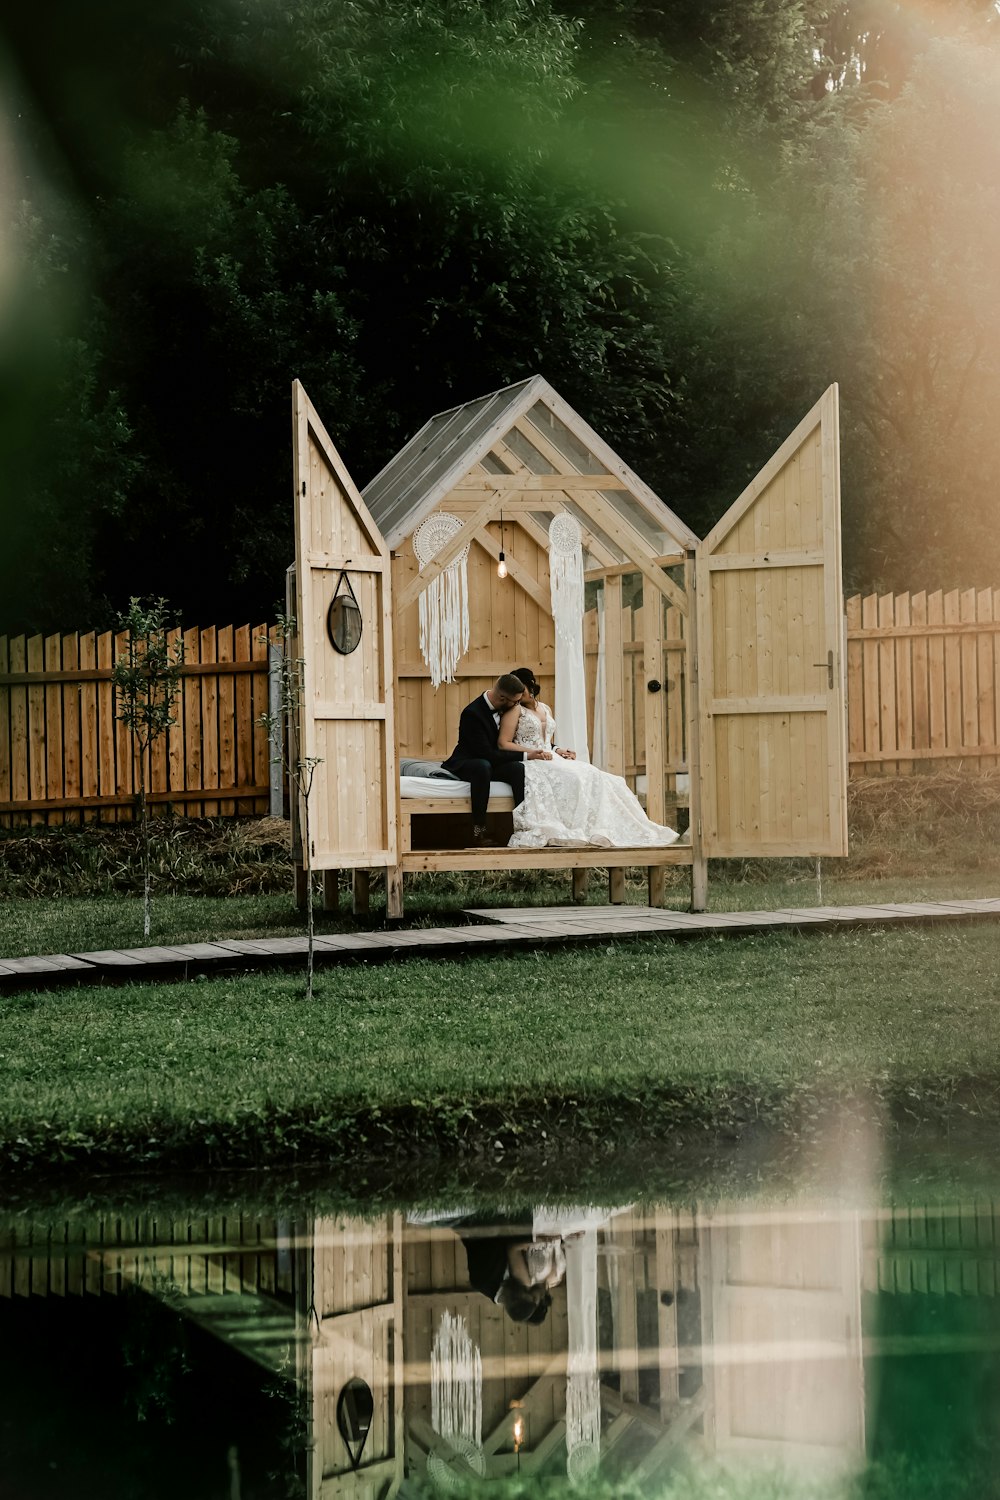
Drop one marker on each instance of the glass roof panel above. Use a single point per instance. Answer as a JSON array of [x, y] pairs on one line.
[[528, 453], [578, 457], [635, 513]]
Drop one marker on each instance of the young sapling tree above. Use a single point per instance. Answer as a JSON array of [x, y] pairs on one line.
[[146, 681]]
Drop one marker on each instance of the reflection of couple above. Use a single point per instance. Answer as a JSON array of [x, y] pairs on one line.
[[508, 735]]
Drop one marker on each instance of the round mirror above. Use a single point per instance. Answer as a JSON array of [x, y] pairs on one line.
[[355, 1409], [343, 624]]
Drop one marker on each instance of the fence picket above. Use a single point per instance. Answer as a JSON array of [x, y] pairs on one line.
[[54, 748], [935, 674], [226, 691], [870, 657], [953, 674], [71, 728], [904, 685], [89, 784], [921, 710], [970, 676], [887, 683], [986, 698], [209, 721]]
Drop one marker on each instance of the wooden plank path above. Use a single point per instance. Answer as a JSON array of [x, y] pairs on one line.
[[490, 927]]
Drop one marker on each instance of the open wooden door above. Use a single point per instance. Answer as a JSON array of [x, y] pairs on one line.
[[773, 732], [786, 1373], [347, 722]]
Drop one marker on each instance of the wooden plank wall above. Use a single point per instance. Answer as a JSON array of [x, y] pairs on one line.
[[64, 757], [628, 699], [507, 629]]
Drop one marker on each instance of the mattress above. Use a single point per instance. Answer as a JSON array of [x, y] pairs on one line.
[[429, 786]]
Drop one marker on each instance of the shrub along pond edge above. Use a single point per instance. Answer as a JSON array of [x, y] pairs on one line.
[[665, 1138]]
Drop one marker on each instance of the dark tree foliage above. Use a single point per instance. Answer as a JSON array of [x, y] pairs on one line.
[[689, 216]]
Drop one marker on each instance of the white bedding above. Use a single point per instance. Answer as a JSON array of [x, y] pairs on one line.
[[430, 786]]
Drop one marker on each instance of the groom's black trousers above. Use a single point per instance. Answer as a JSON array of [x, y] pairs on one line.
[[479, 774]]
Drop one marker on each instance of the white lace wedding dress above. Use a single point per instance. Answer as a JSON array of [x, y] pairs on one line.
[[571, 804]]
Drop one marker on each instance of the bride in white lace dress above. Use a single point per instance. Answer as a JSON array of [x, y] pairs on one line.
[[566, 802]]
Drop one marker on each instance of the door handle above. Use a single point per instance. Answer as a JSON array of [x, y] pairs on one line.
[[828, 664], [653, 686]]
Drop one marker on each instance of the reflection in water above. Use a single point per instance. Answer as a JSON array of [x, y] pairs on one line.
[[357, 1357]]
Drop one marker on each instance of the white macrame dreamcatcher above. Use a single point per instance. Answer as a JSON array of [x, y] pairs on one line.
[[456, 1400], [566, 583], [444, 603]]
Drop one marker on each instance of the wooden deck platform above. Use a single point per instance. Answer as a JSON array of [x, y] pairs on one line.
[[486, 928]]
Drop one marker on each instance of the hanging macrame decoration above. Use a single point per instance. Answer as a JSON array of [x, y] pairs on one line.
[[444, 604], [583, 1391], [566, 575], [456, 1400], [566, 584]]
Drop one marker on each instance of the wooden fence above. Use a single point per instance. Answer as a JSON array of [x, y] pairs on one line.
[[65, 757], [923, 682], [923, 693]]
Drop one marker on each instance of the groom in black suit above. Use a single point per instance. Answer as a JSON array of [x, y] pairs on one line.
[[477, 755]]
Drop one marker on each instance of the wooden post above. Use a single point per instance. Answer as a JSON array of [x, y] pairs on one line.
[[616, 886], [657, 882], [655, 717], [331, 890], [581, 880], [699, 864], [394, 892], [361, 890]]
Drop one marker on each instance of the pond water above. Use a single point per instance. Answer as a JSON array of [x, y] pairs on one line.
[[756, 1345]]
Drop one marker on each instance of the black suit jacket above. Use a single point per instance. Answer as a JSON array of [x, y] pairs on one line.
[[477, 739]]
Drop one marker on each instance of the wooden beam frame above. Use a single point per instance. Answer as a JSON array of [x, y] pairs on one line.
[[447, 554], [600, 513], [529, 482], [610, 522], [506, 455], [601, 575]]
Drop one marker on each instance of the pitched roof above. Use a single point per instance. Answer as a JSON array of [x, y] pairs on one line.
[[453, 442]]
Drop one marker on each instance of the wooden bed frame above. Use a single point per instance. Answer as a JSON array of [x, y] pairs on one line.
[[580, 861]]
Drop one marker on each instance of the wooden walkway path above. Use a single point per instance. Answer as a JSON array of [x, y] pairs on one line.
[[490, 928]]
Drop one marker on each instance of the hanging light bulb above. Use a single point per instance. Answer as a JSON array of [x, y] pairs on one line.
[[501, 564]]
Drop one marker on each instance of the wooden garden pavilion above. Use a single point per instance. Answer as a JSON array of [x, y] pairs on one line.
[[753, 714]]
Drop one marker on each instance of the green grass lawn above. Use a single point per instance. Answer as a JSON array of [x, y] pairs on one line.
[[152, 1073]]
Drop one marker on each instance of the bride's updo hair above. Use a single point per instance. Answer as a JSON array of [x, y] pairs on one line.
[[527, 676], [524, 1304]]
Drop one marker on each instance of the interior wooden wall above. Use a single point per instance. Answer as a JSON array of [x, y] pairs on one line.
[[507, 629]]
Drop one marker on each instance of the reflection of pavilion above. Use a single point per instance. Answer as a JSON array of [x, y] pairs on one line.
[[734, 1332]]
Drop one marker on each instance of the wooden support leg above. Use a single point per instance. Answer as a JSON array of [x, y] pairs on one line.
[[362, 882], [331, 890], [394, 892], [699, 885], [657, 881], [581, 880], [301, 888], [616, 887]]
